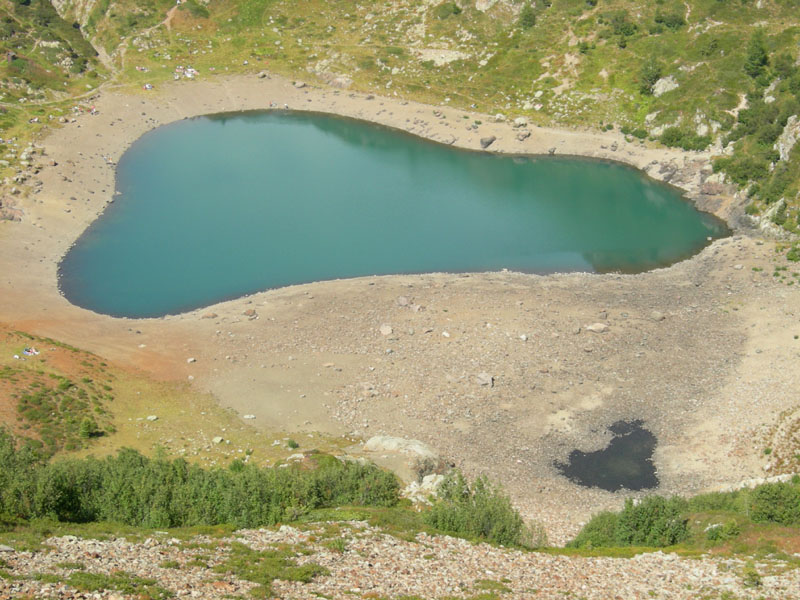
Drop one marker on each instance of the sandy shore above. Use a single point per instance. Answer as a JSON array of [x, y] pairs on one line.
[[714, 371]]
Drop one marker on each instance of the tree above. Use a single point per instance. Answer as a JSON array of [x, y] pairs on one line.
[[527, 17], [88, 428], [757, 57], [649, 74]]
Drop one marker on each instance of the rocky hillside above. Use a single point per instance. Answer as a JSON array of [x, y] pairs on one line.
[[695, 74], [340, 560]]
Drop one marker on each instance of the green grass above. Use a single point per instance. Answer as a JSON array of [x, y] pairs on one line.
[[144, 589], [266, 566]]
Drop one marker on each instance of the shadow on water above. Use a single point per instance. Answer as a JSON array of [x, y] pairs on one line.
[[627, 461]]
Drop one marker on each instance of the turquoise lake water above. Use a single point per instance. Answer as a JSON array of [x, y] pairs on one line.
[[217, 207]]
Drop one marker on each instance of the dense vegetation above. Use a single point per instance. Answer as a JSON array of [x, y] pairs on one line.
[[479, 511], [659, 522], [132, 489], [155, 492]]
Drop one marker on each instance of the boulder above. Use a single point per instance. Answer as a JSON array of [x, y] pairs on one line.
[[386, 443], [484, 379], [789, 137], [664, 85], [487, 141], [342, 82], [597, 328]]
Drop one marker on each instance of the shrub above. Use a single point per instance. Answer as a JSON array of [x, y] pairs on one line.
[[757, 57], [154, 492], [776, 503], [655, 521], [446, 9], [600, 531], [673, 20], [527, 17], [677, 137], [742, 169], [479, 511], [648, 75]]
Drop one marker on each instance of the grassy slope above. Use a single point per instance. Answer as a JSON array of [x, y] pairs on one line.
[[580, 64], [44, 398]]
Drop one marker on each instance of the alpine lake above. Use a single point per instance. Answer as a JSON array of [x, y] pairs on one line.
[[217, 207]]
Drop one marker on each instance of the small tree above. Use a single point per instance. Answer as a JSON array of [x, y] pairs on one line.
[[88, 428], [757, 57], [527, 17], [649, 74]]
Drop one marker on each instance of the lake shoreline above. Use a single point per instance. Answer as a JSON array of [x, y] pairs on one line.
[[690, 349]]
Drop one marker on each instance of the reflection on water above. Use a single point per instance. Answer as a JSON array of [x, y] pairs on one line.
[[627, 461]]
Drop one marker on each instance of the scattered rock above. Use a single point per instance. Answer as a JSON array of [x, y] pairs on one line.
[[249, 417], [657, 316], [209, 315], [386, 329], [597, 328], [523, 135], [191, 360], [484, 379], [250, 313], [217, 439], [299, 84], [152, 417]]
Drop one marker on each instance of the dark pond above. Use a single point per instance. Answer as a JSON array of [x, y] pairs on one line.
[[627, 461]]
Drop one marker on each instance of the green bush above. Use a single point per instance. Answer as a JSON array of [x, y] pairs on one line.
[[742, 169], [446, 9], [648, 75], [673, 20], [776, 503], [757, 57], [527, 17], [655, 521], [688, 140], [480, 511], [599, 532], [135, 490]]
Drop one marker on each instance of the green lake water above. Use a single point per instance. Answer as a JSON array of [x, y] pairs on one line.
[[217, 207]]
